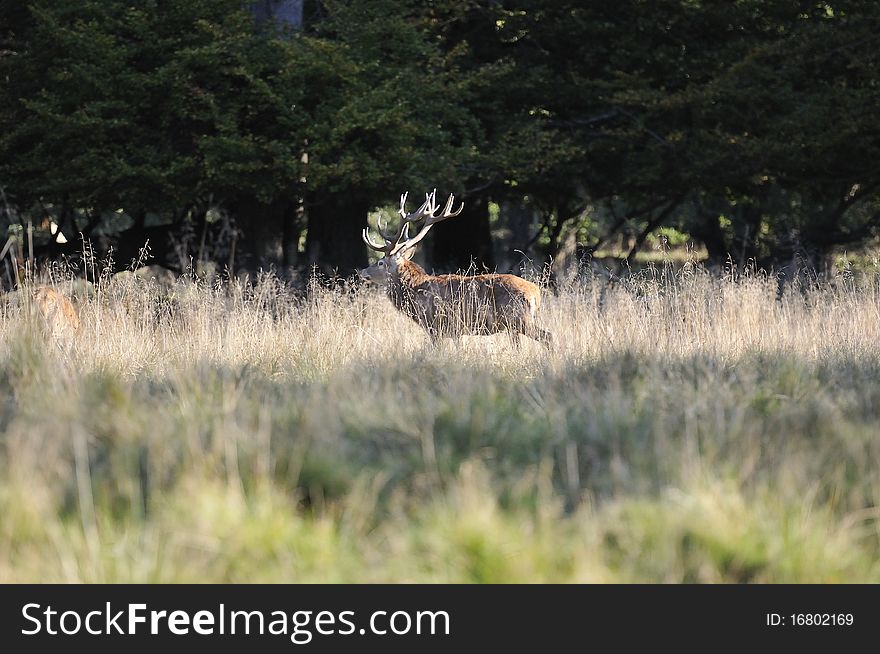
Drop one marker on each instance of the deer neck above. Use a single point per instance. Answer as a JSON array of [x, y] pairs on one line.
[[411, 274], [403, 284]]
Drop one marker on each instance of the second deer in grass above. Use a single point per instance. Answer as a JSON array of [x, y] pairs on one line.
[[450, 305], [59, 316]]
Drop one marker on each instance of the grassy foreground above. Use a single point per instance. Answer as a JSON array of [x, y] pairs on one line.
[[684, 428]]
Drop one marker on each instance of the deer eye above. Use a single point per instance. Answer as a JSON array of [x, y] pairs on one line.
[[381, 263]]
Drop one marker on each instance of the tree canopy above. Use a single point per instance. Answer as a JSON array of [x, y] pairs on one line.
[[749, 125]]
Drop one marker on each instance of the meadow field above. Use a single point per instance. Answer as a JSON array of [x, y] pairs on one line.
[[686, 426]]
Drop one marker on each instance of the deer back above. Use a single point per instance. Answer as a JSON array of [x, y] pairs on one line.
[[464, 304]]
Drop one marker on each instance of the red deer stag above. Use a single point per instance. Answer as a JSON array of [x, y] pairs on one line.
[[450, 305]]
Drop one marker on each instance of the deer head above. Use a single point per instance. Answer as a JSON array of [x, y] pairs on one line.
[[398, 245]]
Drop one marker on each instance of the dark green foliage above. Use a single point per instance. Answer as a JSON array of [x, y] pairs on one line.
[[145, 108], [749, 125]]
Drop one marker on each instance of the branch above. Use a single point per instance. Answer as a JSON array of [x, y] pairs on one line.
[[653, 224], [480, 188], [586, 122], [544, 225], [654, 134], [837, 237], [620, 222], [850, 199]]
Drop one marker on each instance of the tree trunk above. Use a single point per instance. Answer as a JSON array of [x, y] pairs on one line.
[[160, 238], [262, 227], [709, 232], [293, 225], [464, 241], [333, 242], [745, 242], [519, 219]]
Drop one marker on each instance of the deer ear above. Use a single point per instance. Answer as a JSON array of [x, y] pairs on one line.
[[406, 255]]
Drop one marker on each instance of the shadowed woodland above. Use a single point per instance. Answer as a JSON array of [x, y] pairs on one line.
[[240, 136]]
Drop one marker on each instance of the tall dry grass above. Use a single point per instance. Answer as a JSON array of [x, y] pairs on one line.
[[685, 427]]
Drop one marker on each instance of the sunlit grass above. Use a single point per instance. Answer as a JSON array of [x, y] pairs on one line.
[[685, 427]]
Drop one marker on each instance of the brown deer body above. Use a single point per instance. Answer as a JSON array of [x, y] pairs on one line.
[[452, 305], [56, 310]]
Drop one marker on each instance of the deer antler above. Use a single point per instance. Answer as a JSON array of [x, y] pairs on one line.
[[400, 241]]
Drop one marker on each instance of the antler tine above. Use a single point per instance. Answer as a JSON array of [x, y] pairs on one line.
[[447, 210], [365, 234], [435, 215], [419, 213], [401, 240], [432, 215], [389, 237], [402, 210], [431, 200]]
